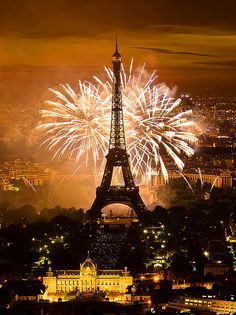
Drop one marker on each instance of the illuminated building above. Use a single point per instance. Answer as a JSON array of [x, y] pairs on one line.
[[218, 306], [192, 283], [224, 179], [32, 174], [117, 222], [216, 269], [141, 298], [88, 279]]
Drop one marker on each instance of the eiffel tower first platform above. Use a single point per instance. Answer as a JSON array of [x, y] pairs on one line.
[[117, 156]]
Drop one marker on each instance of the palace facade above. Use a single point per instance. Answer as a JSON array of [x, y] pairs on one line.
[[87, 279]]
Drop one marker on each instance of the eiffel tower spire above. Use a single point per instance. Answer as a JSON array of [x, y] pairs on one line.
[[117, 156], [117, 134]]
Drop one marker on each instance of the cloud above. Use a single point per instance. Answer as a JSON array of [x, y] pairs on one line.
[[208, 30], [26, 68], [18, 68], [171, 52], [220, 63], [58, 18]]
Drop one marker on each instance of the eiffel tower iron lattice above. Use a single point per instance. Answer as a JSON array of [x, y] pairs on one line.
[[117, 156]]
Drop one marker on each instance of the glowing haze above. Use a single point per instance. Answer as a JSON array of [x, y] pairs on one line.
[[77, 123]]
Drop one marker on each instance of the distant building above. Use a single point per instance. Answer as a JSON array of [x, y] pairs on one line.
[[31, 174], [117, 222], [29, 295], [221, 180], [141, 298], [207, 284], [88, 279], [218, 306], [23, 290], [216, 269]]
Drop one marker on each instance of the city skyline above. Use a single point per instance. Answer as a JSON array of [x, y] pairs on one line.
[[192, 45]]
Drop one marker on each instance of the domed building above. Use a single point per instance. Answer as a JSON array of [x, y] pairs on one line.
[[87, 279], [88, 276]]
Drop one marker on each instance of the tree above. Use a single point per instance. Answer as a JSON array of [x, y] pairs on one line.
[[180, 265]]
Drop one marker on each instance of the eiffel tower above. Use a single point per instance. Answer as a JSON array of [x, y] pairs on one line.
[[117, 156]]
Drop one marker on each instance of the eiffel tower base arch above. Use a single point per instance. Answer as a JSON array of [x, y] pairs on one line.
[[114, 195]]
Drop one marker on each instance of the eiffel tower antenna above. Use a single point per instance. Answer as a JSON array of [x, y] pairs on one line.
[[116, 43], [117, 156]]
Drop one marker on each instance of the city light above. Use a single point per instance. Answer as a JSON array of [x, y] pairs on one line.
[[206, 253]]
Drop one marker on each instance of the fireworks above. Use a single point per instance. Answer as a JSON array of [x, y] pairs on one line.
[[77, 124]]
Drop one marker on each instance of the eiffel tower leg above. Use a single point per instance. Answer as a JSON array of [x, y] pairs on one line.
[[137, 204], [96, 210]]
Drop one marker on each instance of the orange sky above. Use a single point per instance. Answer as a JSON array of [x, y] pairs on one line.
[[43, 43]]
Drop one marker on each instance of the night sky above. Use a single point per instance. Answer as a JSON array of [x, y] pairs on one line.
[[192, 43]]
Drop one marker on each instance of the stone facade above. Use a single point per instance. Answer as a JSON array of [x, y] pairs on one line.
[[88, 279]]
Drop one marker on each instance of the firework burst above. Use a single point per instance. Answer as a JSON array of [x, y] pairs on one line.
[[77, 124]]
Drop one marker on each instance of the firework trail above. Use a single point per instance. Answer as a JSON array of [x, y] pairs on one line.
[[188, 183], [77, 124], [25, 179], [213, 184], [201, 180]]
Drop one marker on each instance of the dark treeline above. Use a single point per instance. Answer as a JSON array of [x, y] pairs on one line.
[[29, 214]]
